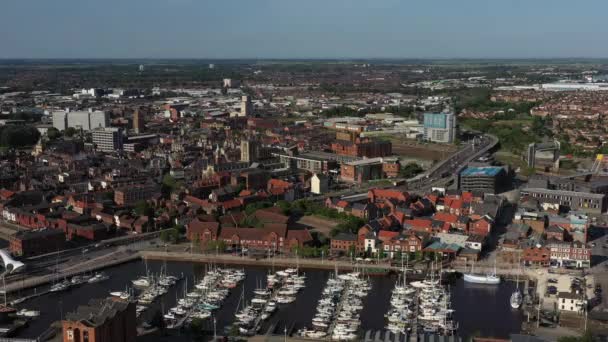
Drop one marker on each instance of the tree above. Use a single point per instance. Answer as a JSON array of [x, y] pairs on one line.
[[142, 208], [69, 132], [170, 235], [181, 229], [352, 250], [169, 184], [410, 170], [18, 136], [53, 133], [253, 207]]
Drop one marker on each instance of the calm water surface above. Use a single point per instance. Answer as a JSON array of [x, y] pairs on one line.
[[480, 309]]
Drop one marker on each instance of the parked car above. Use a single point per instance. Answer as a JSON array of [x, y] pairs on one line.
[[552, 280]]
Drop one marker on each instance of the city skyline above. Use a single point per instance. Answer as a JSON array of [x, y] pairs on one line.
[[272, 29]]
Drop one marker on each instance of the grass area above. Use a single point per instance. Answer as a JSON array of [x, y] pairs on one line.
[[517, 122], [511, 159]]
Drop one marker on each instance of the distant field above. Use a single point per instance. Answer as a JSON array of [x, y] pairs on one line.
[[414, 149]]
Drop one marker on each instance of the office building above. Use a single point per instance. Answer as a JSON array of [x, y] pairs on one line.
[[440, 127], [313, 162], [102, 320], [362, 170], [246, 106], [85, 120], [486, 179], [108, 139], [573, 200]]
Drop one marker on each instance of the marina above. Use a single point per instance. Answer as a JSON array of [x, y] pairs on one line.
[[293, 315]]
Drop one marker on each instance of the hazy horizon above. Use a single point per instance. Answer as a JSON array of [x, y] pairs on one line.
[[312, 29]]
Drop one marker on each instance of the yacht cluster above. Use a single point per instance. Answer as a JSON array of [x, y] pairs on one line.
[[206, 297], [420, 305], [339, 308], [78, 280], [281, 288], [152, 288]]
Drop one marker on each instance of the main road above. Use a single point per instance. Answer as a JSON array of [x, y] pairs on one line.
[[439, 174]]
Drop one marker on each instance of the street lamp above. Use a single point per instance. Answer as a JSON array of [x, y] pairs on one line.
[[214, 330]]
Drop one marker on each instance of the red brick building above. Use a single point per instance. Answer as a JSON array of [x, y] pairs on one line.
[[132, 194], [343, 243], [540, 256], [402, 243], [105, 320], [362, 148], [29, 243], [202, 231], [271, 237], [482, 226]]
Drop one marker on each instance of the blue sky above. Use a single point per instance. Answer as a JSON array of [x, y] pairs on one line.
[[302, 28]]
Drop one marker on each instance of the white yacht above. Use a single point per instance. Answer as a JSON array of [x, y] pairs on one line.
[[490, 278]]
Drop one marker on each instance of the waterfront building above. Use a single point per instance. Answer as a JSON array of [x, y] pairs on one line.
[[35, 242], [571, 302], [102, 320], [440, 127], [569, 254], [344, 243]]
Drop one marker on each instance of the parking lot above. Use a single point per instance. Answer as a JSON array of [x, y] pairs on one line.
[[550, 284]]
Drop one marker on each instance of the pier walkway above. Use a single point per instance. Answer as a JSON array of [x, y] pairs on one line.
[[90, 265]]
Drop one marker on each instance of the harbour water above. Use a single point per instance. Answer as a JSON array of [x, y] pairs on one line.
[[480, 309]]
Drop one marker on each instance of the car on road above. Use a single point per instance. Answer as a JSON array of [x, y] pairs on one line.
[[552, 280]]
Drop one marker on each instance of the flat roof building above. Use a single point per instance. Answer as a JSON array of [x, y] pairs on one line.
[[108, 139], [486, 179], [583, 201]]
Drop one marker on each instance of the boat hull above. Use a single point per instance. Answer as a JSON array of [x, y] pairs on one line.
[[481, 279]]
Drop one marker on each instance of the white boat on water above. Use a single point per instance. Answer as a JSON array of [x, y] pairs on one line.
[[28, 313], [141, 282], [98, 277], [490, 278], [516, 299]]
